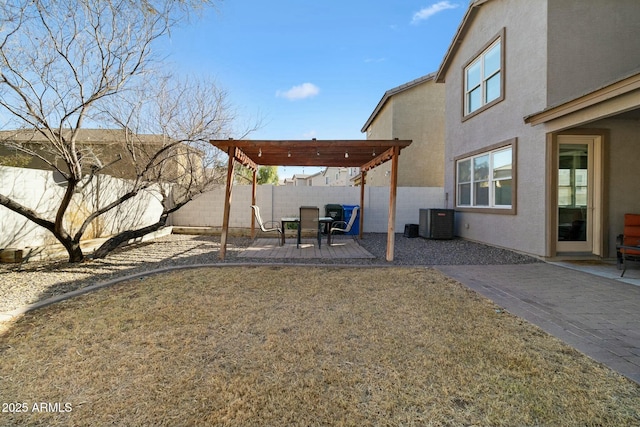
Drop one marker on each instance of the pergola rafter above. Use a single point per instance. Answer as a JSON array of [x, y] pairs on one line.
[[365, 154]]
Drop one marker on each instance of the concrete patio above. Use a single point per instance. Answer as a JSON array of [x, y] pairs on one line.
[[341, 248]]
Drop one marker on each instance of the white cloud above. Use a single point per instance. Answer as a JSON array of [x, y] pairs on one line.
[[428, 12], [305, 90]]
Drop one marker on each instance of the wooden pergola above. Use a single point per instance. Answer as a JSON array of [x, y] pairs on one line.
[[365, 154]]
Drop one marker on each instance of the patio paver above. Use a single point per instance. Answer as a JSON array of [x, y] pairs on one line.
[[340, 249], [598, 316]]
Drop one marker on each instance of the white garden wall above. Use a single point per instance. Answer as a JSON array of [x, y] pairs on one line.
[[276, 202], [37, 190]]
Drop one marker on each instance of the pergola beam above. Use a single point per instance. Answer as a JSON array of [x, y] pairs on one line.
[[244, 160], [382, 158], [338, 153]]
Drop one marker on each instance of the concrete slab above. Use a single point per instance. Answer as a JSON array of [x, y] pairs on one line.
[[343, 248]]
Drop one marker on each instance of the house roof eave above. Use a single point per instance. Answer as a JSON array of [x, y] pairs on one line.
[[621, 87]]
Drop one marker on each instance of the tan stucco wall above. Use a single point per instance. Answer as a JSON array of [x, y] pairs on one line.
[[382, 128], [607, 47], [416, 113], [525, 82]]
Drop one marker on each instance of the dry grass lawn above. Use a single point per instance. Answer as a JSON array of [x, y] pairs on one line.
[[299, 346]]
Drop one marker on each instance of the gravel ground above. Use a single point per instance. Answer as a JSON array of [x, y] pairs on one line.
[[34, 281]]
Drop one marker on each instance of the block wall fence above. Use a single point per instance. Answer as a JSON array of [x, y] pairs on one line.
[[37, 190], [276, 202]]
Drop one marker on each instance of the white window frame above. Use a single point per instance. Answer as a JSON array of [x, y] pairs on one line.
[[478, 60], [490, 182]]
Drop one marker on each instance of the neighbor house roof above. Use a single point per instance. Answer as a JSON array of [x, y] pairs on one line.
[[391, 92], [85, 136], [468, 18]]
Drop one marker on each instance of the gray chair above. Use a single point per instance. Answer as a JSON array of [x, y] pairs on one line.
[[342, 226], [309, 221], [269, 225]]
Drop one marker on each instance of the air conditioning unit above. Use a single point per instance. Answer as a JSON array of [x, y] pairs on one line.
[[436, 223]]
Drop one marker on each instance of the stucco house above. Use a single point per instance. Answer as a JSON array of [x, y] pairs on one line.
[[415, 111], [297, 180], [334, 177], [327, 177], [542, 124]]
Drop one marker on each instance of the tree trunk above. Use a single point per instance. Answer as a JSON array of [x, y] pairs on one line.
[[75, 252], [71, 246]]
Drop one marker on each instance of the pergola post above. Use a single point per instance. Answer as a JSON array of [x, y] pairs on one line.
[[363, 175], [253, 202], [227, 203], [393, 187]]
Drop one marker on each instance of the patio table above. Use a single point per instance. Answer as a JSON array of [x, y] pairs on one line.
[[288, 220]]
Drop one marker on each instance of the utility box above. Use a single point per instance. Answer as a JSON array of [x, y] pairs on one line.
[[411, 230], [436, 223]]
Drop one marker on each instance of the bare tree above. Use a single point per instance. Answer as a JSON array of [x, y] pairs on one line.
[[66, 63], [185, 164]]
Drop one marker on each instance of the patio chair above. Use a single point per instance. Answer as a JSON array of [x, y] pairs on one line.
[[267, 226], [630, 237], [309, 221], [343, 226]]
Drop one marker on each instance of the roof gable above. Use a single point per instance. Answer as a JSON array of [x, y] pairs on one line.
[[458, 39], [391, 92]]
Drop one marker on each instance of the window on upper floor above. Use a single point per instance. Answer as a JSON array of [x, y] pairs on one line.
[[484, 78], [486, 179]]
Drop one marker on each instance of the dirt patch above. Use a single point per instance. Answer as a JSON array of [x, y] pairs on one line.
[[299, 346]]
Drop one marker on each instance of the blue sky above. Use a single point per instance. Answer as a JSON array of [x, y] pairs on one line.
[[314, 69]]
